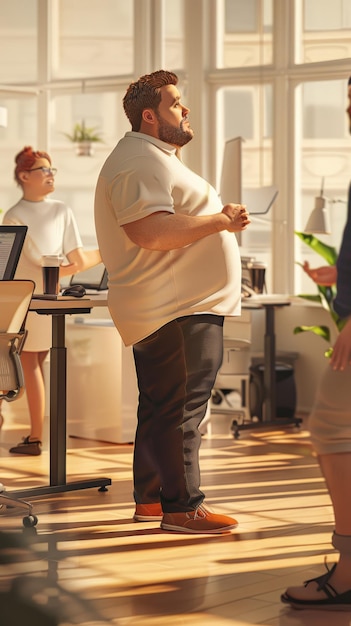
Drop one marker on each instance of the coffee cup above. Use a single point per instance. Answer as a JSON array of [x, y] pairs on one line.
[[257, 272], [51, 273]]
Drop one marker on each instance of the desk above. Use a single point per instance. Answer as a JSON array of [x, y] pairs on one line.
[[269, 303], [58, 309]]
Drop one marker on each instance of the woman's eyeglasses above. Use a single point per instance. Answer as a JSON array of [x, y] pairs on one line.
[[47, 171]]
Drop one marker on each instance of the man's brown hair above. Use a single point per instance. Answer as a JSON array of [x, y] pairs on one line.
[[145, 94]]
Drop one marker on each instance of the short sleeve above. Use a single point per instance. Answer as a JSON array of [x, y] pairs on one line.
[[143, 187]]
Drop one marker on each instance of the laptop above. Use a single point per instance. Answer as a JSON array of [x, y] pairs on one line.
[[93, 280], [11, 244]]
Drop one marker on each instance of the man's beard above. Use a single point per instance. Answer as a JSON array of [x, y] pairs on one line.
[[172, 135]]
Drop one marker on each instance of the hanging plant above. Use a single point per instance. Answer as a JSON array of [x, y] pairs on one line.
[[84, 137]]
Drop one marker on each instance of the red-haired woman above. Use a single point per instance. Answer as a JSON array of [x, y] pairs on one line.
[[52, 229]]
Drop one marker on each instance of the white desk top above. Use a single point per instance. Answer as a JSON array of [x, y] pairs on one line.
[[264, 299], [100, 300]]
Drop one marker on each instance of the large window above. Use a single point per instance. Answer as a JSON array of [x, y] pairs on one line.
[[77, 175], [174, 34], [102, 112], [273, 72], [246, 33], [93, 38], [246, 112], [18, 41], [22, 130], [323, 30], [325, 162]]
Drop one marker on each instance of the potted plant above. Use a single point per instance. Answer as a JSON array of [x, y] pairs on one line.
[[84, 137], [325, 295]]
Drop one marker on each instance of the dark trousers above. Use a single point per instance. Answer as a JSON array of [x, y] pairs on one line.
[[176, 368]]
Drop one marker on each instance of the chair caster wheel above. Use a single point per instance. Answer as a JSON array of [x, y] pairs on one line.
[[30, 521], [235, 430]]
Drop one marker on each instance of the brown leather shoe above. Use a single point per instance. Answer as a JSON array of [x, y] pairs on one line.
[[198, 521], [148, 512]]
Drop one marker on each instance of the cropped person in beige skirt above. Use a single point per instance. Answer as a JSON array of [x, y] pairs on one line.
[[330, 428]]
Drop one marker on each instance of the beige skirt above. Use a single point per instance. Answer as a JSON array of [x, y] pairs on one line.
[[330, 419], [39, 332]]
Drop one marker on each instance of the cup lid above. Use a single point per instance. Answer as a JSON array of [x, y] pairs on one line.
[[51, 260], [255, 265]]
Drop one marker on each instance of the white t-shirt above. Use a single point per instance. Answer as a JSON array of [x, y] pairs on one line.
[[52, 229], [148, 288]]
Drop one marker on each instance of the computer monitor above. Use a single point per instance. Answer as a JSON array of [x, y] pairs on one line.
[[11, 244], [258, 199]]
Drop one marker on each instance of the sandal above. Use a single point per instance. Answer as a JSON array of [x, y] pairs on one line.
[[333, 601], [320, 580], [27, 446]]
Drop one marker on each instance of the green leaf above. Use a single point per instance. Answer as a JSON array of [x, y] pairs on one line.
[[328, 353], [321, 331], [311, 297], [328, 253], [325, 295]]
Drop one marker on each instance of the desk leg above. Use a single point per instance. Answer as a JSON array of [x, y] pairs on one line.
[[58, 360], [58, 446], [269, 416], [269, 379]]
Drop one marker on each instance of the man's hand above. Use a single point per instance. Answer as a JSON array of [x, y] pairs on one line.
[[238, 215], [341, 356], [325, 276]]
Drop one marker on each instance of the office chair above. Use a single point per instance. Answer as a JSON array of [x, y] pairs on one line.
[[15, 297]]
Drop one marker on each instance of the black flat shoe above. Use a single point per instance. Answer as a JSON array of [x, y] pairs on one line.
[[333, 600], [320, 580], [27, 446]]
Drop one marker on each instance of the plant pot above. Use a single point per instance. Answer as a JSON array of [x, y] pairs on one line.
[[84, 148]]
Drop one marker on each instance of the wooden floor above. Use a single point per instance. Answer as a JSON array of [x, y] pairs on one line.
[[92, 565]]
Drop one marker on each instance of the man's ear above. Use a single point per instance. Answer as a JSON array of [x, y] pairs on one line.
[[148, 116]]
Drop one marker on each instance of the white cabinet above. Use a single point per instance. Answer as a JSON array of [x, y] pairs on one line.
[[102, 393], [243, 337]]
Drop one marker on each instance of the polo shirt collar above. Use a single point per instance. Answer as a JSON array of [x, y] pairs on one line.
[[166, 147]]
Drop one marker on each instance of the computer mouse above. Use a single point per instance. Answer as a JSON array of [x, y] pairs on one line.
[[77, 291]]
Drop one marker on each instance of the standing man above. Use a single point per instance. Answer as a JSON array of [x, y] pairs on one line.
[[174, 273]]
